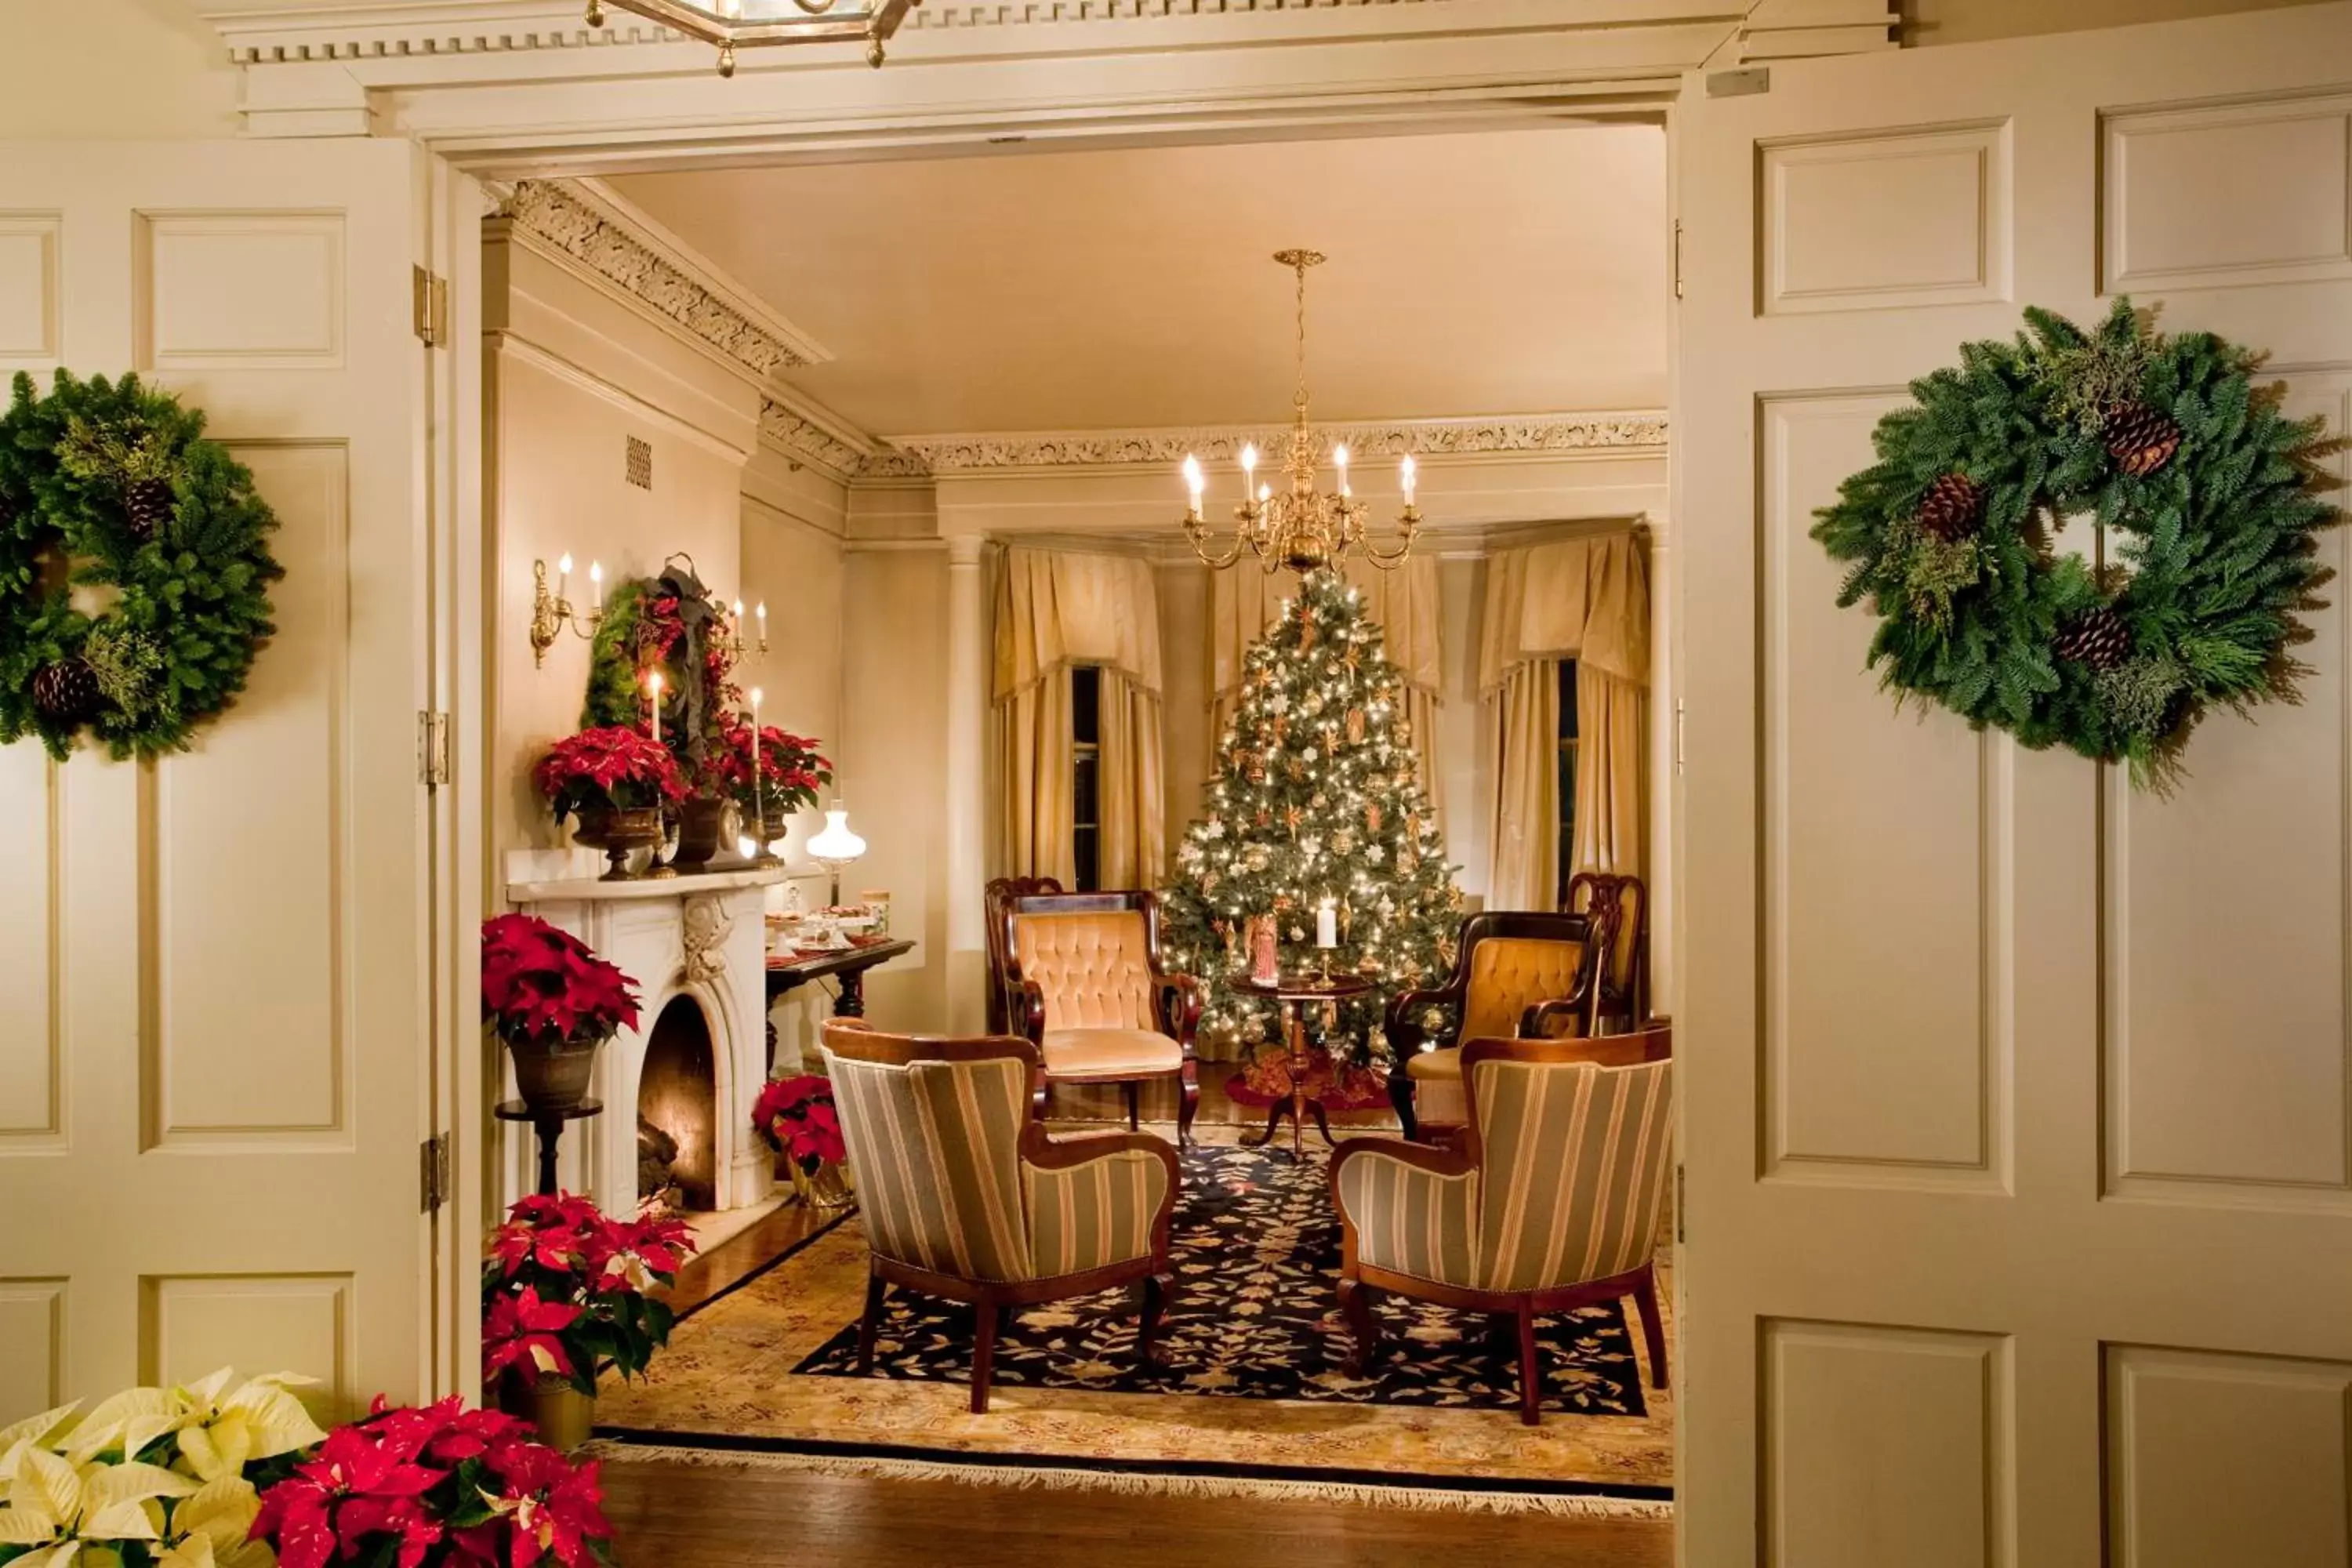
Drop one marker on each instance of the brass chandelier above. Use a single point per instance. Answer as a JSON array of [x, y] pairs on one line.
[[1301, 527], [752, 23]]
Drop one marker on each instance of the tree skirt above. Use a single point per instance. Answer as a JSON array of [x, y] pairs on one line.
[[1267, 1078], [1255, 1315], [1256, 1379]]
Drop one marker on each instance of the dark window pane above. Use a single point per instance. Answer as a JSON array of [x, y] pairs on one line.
[[1085, 704], [1087, 844], [1084, 774], [1568, 730]]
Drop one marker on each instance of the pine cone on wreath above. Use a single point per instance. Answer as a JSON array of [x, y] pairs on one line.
[[1952, 508], [2141, 439], [147, 507], [66, 692], [2097, 637]]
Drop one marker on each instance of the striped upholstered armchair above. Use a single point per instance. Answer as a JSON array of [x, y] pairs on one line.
[[965, 1196], [1553, 1204]]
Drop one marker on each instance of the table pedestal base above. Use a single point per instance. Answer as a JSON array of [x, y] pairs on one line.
[[1299, 1101]]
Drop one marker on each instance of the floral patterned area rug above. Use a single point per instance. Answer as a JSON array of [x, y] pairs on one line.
[[1257, 1259], [1254, 1390]]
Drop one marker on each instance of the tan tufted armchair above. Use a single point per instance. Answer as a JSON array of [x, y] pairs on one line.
[[1083, 982], [1621, 1001], [1516, 975], [999, 893]]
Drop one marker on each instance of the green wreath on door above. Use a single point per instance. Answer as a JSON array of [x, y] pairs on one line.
[[134, 568], [2210, 496]]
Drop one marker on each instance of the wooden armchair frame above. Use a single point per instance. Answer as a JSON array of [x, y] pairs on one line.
[[1001, 891], [1176, 1001], [1605, 896], [1361, 1284], [1039, 1151], [1403, 1027]]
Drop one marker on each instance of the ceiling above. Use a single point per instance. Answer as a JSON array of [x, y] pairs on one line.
[[1501, 272]]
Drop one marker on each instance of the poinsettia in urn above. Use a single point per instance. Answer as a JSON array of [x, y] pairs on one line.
[[616, 781], [553, 1002], [567, 1293], [782, 777], [796, 1117]]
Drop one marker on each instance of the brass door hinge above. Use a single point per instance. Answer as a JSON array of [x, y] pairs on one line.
[[1679, 258], [432, 749], [432, 1175], [431, 304], [1682, 1207]]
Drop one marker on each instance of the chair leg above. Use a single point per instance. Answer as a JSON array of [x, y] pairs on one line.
[[1530, 1369], [1188, 1103], [1130, 1089], [1156, 1289], [1654, 1326], [875, 1290], [983, 1358], [1400, 1097], [1357, 1304]]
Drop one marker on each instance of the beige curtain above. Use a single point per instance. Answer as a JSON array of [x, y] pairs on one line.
[[1526, 870], [1244, 602], [1134, 789], [1054, 609], [1586, 599]]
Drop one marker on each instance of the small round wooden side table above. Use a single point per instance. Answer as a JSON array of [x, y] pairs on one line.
[[549, 1125], [1293, 991]]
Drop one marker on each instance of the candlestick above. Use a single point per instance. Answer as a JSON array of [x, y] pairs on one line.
[[654, 689], [1326, 925], [762, 611], [563, 577], [759, 801]]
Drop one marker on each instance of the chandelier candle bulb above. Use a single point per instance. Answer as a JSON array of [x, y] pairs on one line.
[[1339, 461], [1408, 473], [563, 576], [1249, 475], [1194, 481]]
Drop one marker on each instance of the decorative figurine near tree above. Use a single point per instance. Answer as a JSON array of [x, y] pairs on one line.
[[2209, 495], [1317, 798]]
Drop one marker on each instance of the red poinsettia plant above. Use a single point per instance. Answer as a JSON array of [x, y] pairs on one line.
[[568, 1292], [791, 770], [439, 1486], [543, 986], [796, 1117], [611, 767]]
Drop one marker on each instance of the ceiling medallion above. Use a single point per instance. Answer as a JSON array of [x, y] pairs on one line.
[[1301, 528], [753, 23]]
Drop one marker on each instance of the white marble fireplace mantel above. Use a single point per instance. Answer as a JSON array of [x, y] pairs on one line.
[[702, 937]]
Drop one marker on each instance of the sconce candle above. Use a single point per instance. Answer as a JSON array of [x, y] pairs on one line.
[[654, 691]]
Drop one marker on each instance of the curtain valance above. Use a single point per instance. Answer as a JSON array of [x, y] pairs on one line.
[[1058, 608], [1585, 599]]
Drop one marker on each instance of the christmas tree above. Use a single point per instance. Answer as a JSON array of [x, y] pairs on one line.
[[1317, 799]]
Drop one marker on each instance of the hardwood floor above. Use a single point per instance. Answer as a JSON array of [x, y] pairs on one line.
[[687, 1516]]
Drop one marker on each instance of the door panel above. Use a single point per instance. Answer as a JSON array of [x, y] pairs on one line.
[[2018, 1118], [218, 1066]]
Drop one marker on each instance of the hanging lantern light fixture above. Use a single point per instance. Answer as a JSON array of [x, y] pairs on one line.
[[754, 22]]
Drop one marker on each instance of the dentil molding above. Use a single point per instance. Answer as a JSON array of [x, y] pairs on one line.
[[594, 230]]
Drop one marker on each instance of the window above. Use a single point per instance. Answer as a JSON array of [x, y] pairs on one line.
[[1086, 774], [1566, 776]]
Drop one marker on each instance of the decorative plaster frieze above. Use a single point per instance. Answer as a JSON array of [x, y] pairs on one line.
[[804, 440], [602, 239], [921, 456]]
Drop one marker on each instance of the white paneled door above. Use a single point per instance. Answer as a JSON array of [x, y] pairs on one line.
[[2018, 1103], [218, 1060]]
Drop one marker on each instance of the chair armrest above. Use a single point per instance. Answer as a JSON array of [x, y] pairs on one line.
[[1025, 1004], [1179, 1000], [1403, 1023], [1440, 1182], [1041, 1152]]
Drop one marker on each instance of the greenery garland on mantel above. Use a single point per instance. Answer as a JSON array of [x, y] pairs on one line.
[[134, 566], [2210, 493]]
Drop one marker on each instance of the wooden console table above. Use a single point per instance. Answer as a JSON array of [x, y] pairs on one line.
[[848, 966]]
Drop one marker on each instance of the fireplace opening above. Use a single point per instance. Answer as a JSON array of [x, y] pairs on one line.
[[678, 1112]]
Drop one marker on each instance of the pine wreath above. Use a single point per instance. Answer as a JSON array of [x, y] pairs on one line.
[[2210, 494], [134, 567]]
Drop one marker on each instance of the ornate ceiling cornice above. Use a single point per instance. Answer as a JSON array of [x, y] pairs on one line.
[[594, 232], [804, 440], [1631, 433]]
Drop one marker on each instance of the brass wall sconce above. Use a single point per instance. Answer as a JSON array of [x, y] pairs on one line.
[[551, 613]]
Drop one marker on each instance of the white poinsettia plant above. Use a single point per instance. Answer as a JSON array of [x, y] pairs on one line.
[[154, 1477]]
